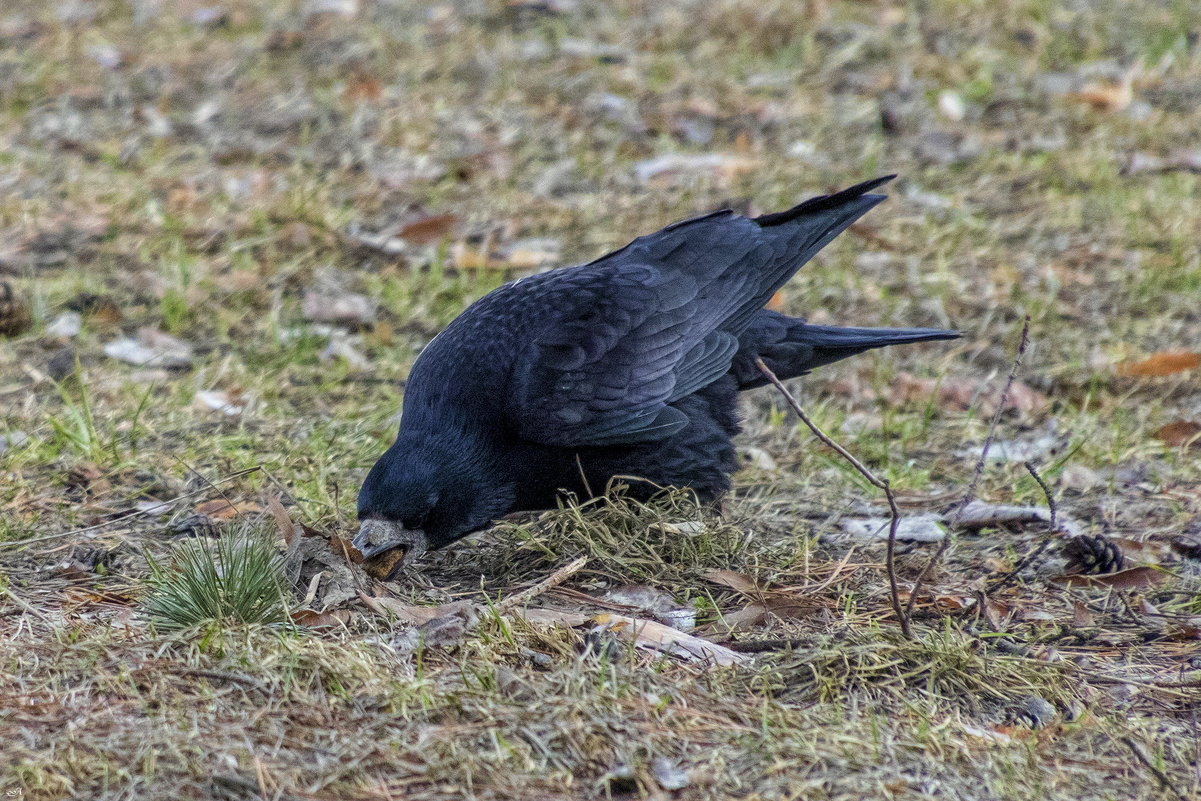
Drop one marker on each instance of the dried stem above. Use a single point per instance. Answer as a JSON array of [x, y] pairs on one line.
[[970, 494], [25, 606], [881, 483], [523, 597], [1052, 507], [1007, 579]]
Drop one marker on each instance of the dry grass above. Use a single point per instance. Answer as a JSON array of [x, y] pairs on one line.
[[195, 168]]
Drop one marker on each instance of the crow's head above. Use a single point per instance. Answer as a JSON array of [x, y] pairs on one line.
[[423, 494], [397, 501]]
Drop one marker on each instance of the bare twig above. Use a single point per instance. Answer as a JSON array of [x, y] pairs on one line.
[[1052, 506], [894, 521], [126, 515], [25, 606], [970, 494], [519, 599], [1142, 756], [1007, 579]]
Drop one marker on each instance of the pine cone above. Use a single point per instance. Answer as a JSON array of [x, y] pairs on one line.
[[1093, 555], [14, 313]]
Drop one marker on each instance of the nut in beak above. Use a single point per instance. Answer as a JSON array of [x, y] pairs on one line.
[[377, 537]]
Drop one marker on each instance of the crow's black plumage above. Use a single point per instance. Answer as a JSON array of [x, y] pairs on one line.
[[628, 365]]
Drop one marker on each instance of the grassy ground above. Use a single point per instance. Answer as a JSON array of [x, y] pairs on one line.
[[197, 169]]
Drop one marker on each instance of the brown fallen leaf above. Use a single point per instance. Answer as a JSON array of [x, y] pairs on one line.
[[1163, 363], [222, 509], [429, 230], [1132, 579], [420, 615], [676, 166], [778, 606], [152, 348], [229, 404], [953, 603], [1180, 434], [283, 521], [362, 88], [321, 620], [649, 634], [735, 581], [1106, 97], [1081, 617], [520, 255], [997, 613]]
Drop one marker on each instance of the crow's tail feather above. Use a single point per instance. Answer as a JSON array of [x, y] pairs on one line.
[[792, 347]]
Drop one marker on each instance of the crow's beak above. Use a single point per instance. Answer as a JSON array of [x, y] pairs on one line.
[[377, 536]]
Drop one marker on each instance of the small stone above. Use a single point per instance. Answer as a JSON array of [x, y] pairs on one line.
[[65, 326], [668, 774]]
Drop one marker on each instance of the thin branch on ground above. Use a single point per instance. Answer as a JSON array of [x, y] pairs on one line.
[[1007, 579], [25, 606], [903, 615], [977, 474], [519, 599], [126, 515]]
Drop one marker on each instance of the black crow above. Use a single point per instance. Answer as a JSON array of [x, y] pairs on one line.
[[629, 365]]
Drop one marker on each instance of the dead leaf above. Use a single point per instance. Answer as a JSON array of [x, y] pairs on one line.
[[89, 477], [283, 521], [991, 735], [649, 634], [676, 166], [429, 230], [1106, 97], [215, 400], [222, 509], [321, 620], [735, 581], [1081, 617], [736, 621], [520, 255], [152, 348], [1180, 434], [552, 617], [1132, 579], [997, 613], [419, 615], [362, 88], [979, 514], [920, 528], [1163, 363], [953, 603], [320, 306]]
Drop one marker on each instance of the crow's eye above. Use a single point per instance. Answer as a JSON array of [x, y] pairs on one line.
[[412, 523]]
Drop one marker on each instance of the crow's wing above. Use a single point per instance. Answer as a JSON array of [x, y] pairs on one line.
[[628, 334]]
